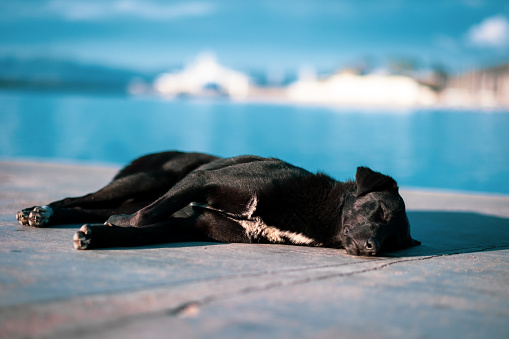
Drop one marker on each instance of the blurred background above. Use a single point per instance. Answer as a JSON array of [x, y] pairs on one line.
[[418, 90]]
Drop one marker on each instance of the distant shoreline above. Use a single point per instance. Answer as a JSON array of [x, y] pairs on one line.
[[273, 96]]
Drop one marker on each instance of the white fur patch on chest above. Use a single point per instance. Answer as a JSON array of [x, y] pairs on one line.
[[256, 229]]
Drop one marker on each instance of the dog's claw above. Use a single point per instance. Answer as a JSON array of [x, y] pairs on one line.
[[82, 238]]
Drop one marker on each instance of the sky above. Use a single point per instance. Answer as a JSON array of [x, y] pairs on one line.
[[264, 34]]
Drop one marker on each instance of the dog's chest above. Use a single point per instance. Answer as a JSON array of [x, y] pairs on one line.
[[257, 230]]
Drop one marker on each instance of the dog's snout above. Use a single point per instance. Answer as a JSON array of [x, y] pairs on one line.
[[372, 246]]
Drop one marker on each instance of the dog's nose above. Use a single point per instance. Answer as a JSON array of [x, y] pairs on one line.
[[372, 246]]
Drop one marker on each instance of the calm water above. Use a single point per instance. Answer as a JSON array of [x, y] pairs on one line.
[[432, 149]]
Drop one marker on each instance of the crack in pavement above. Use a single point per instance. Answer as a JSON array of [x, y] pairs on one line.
[[191, 308], [182, 309], [226, 289]]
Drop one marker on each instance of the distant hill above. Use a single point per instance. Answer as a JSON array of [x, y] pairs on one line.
[[47, 74]]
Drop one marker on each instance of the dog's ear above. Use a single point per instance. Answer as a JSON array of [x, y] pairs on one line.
[[370, 181]]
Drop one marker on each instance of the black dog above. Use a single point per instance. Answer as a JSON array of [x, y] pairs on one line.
[[175, 197]]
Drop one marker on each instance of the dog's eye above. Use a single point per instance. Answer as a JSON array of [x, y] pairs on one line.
[[346, 231]]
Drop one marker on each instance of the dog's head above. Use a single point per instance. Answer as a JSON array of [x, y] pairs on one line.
[[374, 217]]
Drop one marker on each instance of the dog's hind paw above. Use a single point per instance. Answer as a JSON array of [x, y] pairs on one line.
[[22, 216], [82, 238], [39, 217]]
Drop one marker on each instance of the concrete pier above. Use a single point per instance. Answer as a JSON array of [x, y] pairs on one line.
[[455, 285]]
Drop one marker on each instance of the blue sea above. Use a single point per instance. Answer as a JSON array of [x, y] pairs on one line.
[[435, 149]]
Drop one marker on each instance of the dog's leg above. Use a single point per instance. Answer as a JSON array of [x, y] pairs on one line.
[[137, 185], [45, 216], [173, 230], [190, 189], [204, 225], [137, 189], [145, 179]]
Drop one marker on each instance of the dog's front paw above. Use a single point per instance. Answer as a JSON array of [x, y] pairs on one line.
[[82, 238], [39, 216]]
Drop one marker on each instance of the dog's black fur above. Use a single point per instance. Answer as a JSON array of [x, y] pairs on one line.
[[174, 197]]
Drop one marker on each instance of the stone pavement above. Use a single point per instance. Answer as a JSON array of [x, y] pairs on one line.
[[455, 285]]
